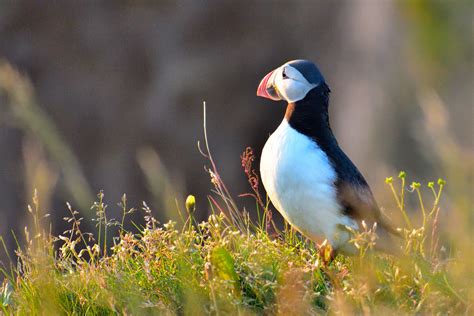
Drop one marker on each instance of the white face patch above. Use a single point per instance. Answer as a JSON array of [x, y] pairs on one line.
[[291, 84]]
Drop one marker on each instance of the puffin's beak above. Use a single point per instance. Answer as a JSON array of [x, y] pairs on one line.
[[266, 88]]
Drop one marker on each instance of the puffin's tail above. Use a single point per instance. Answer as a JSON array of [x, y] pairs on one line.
[[389, 228], [386, 241]]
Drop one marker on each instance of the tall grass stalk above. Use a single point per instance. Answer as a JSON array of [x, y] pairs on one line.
[[31, 118]]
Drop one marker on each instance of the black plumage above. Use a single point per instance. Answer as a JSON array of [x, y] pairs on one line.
[[310, 117]]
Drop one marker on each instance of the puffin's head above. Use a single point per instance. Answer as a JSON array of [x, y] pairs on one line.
[[291, 81]]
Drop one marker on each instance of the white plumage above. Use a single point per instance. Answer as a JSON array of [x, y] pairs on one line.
[[299, 180]]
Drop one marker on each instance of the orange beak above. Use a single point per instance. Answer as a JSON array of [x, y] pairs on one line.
[[266, 88]]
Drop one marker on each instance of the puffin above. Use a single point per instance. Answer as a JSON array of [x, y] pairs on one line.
[[307, 176]]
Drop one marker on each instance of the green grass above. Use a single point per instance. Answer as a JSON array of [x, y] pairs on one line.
[[228, 264]]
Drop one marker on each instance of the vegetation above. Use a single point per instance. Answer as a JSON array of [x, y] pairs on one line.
[[229, 264]]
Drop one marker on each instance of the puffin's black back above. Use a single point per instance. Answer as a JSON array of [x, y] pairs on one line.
[[309, 116]]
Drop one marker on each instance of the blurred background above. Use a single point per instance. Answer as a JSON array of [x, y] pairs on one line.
[[107, 95]]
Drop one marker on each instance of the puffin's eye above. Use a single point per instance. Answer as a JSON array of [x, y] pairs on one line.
[[283, 74]]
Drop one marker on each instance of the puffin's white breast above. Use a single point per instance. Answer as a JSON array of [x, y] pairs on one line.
[[299, 180]]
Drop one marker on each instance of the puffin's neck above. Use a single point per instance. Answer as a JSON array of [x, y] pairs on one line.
[[310, 117]]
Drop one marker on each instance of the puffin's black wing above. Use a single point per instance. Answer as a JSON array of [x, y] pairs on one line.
[[357, 200], [353, 192]]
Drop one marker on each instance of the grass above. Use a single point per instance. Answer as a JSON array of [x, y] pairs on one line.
[[228, 264], [215, 267]]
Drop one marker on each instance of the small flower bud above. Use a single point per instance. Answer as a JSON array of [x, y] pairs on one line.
[[415, 185], [191, 204], [441, 182], [389, 180], [431, 184], [402, 175]]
